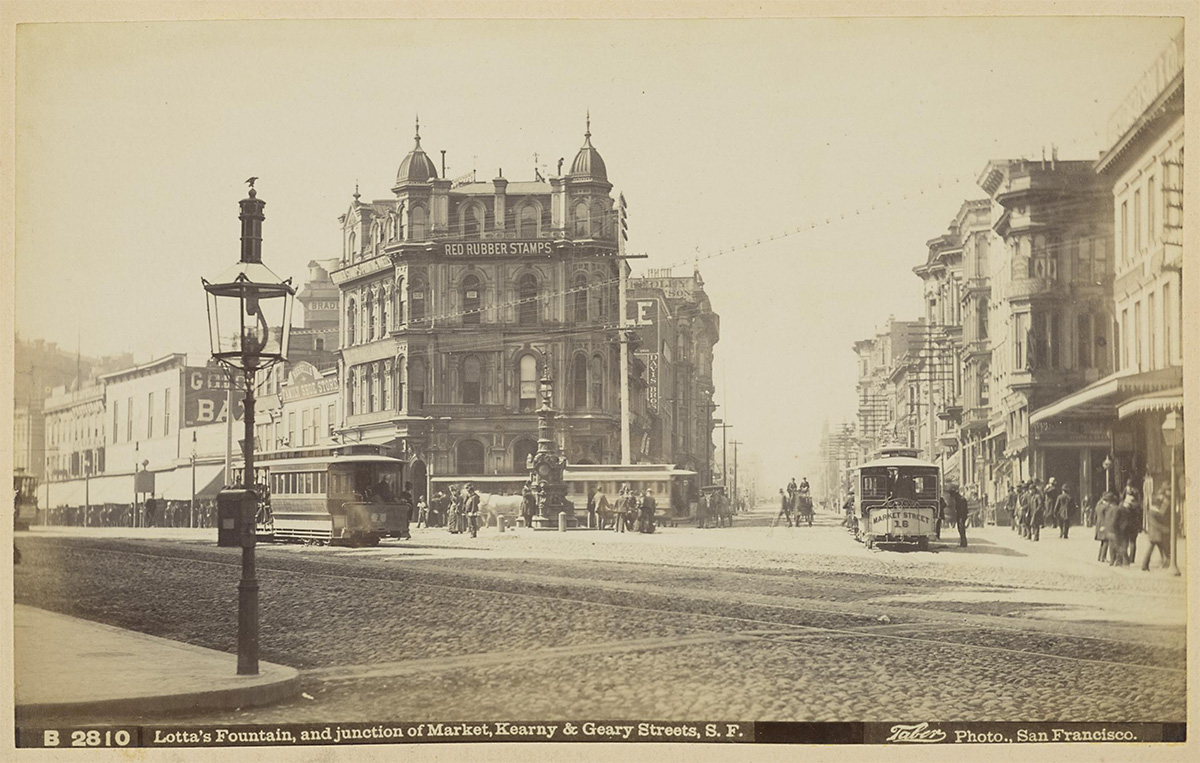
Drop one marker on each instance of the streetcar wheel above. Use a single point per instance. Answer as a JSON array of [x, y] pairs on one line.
[[923, 544]]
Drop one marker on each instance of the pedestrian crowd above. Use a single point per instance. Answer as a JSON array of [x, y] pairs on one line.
[[1119, 522], [1035, 504]]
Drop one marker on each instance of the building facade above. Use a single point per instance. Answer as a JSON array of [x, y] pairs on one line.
[[1051, 313], [1126, 409], [455, 295], [677, 331]]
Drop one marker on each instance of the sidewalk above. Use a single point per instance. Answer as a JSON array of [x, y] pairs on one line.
[[66, 666]]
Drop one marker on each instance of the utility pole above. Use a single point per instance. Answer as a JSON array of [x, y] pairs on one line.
[[735, 472], [720, 424], [623, 330]]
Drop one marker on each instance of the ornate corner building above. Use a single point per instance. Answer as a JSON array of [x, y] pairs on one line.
[[454, 295]]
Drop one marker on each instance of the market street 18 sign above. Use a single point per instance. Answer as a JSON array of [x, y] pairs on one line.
[[496, 248], [206, 396]]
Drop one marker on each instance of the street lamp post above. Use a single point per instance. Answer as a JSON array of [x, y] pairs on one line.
[[192, 505], [1172, 429], [249, 320], [1108, 464]]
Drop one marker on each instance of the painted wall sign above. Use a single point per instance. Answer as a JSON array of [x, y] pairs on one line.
[[496, 248], [205, 398]]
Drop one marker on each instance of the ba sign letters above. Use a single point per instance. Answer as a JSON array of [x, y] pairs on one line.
[[206, 397]]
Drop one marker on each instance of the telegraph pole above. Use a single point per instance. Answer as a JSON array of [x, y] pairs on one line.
[[735, 471], [720, 424]]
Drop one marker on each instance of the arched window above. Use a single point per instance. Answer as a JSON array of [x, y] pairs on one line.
[[527, 301], [470, 457], [599, 221], [527, 221], [472, 380], [580, 298], [527, 384], [522, 450], [351, 321], [369, 388], [417, 224], [384, 299], [351, 248], [472, 221], [582, 229], [417, 312], [400, 318], [599, 292], [352, 403], [416, 378], [471, 299], [579, 385], [597, 382], [397, 374], [369, 334], [388, 380]]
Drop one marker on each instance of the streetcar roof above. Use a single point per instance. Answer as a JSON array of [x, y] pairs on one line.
[[359, 458], [897, 461]]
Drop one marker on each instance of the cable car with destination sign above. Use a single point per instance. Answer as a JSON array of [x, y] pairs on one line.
[[897, 500]]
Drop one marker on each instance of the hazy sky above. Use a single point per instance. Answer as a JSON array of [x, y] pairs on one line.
[[134, 139]]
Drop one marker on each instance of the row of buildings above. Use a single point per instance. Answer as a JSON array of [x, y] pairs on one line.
[[427, 335], [1050, 344]]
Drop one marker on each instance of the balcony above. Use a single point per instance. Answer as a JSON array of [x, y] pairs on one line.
[[1024, 288], [975, 419]]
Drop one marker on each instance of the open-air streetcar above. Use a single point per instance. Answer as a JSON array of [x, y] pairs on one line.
[[896, 503]]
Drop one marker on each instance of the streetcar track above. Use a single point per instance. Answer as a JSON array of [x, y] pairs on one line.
[[950, 621]]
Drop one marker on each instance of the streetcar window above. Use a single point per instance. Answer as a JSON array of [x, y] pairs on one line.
[[926, 486], [308, 482], [321, 482]]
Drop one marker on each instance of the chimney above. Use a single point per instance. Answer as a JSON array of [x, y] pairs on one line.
[[498, 211]]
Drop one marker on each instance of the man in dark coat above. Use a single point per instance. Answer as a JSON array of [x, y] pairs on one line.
[[785, 508], [529, 504], [1159, 530], [1063, 507], [471, 509], [1132, 502], [646, 507], [1105, 515], [959, 504]]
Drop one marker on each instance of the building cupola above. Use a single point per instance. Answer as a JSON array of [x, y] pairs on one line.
[[417, 167], [588, 162]]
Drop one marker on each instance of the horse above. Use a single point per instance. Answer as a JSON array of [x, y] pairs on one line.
[[494, 505], [802, 506]]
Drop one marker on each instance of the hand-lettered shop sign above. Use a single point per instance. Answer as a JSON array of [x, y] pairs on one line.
[[917, 521], [496, 248], [206, 396]]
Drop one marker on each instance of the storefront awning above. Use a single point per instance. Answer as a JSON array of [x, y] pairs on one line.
[[1101, 398], [1167, 400], [177, 485]]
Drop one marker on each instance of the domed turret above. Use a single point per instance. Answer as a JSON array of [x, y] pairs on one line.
[[588, 162], [417, 167]]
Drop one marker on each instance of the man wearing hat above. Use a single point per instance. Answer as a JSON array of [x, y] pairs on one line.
[[959, 504], [1063, 507], [471, 509]]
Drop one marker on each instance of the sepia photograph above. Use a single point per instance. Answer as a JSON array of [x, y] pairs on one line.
[[468, 382]]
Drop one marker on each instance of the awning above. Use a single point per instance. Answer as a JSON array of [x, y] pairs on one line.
[[1100, 398], [58, 494], [1167, 400], [177, 485]]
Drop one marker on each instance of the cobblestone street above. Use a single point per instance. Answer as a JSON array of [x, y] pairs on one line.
[[753, 622]]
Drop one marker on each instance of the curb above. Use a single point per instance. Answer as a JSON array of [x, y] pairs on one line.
[[282, 686]]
